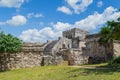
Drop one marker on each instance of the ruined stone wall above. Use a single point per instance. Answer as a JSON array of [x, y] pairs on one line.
[[52, 52], [82, 45], [116, 48], [30, 56], [94, 50], [75, 43], [74, 33], [80, 33], [75, 57], [63, 43], [97, 53]]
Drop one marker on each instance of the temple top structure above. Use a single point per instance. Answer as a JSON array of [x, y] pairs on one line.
[[75, 33]]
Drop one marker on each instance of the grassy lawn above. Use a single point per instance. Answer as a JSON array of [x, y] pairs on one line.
[[60, 73]]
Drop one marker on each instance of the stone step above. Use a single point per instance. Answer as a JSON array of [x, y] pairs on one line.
[[50, 46]]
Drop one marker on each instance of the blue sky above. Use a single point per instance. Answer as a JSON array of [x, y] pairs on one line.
[[41, 20]]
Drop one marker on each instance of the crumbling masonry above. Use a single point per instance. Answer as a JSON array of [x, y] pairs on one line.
[[76, 46]]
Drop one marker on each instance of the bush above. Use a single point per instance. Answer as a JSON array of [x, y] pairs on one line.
[[115, 62], [8, 43]]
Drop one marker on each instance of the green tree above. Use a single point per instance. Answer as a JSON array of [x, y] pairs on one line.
[[106, 38], [116, 30], [109, 33], [8, 43]]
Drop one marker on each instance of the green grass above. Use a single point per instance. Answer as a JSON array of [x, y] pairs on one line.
[[60, 73], [96, 65]]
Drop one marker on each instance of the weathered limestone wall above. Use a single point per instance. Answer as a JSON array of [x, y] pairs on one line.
[[63, 43], [75, 43], [75, 57], [98, 53], [116, 48], [52, 52], [52, 60], [80, 33], [20, 60], [94, 50], [82, 45], [74, 33], [30, 56]]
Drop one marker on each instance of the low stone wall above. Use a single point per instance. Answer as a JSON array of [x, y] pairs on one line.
[[31, 55], [20, 60], [51, 60]]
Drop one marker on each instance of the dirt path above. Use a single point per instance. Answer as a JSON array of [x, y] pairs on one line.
[[90, 67]]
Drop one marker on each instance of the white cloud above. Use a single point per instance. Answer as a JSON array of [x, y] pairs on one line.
[[47, 33], [34, 35], [96, 20], [61, 26], [64, 9], [11, 3], [37, 15], [90, 23], [28, 35], [100, 4], [2, 23], [77, 6], [17, 20]]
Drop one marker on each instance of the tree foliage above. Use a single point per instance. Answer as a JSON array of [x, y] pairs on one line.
[[115, 27], [8, 43], [106, 36], [110, 32]]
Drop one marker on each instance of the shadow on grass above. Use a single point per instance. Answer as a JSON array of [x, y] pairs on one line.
[[104, 70], [1, 71]]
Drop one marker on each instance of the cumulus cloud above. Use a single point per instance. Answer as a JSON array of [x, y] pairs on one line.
[[35, 15], [100, 4], [11, 3], [28, 35], [96, 20], [90, 23], [61, 26], [77, 6], [17, 20], [64, 9], [47, 33]]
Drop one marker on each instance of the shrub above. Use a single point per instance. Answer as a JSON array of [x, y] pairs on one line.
[[115, 62], [8, 43]]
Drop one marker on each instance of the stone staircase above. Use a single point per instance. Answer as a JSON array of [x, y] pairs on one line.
[[49, 47]]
